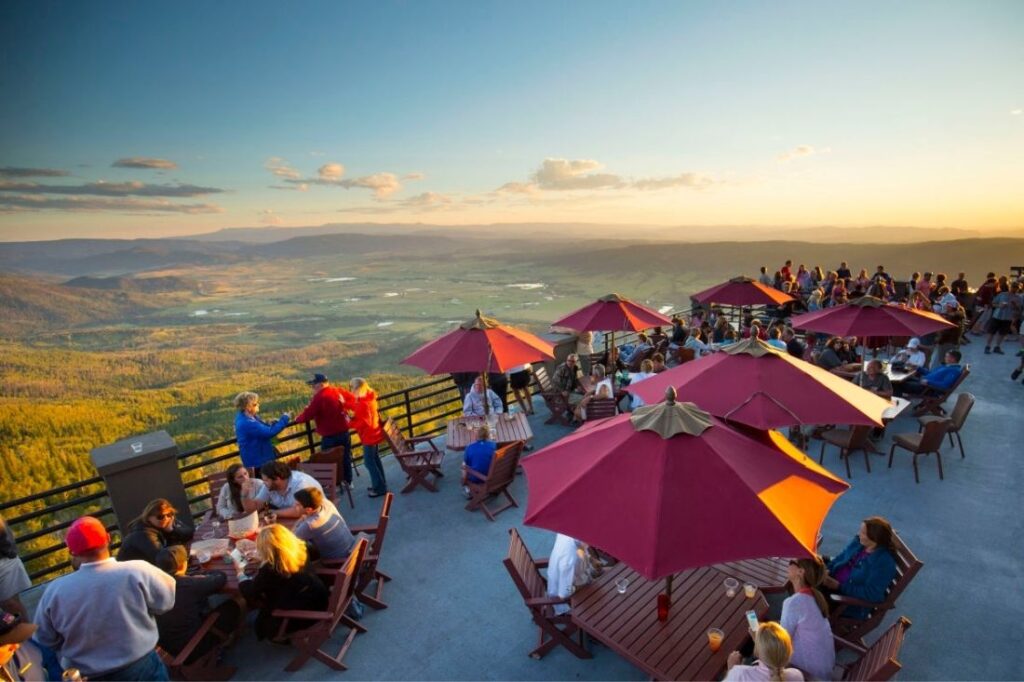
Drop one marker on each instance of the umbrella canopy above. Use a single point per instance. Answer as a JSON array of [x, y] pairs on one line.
[[613, 313], [870, 316], [480, 345], [669, 487], [743, 291], [755, 384]]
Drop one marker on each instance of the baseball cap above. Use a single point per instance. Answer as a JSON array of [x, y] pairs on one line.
[[14, 630], [317, 379], [86, 534], [913, 343]]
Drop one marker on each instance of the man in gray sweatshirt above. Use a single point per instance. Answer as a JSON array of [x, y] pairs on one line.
[[100, 619]]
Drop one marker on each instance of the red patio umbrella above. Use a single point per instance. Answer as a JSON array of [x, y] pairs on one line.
[[612, 313], [870, 316], [755, 384], [669, 487], [480, 345], [741, 291]]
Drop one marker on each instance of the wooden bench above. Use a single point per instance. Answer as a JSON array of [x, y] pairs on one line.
[[555, 629], [877, 662], [421, 467], [496, 481], [854, 629]]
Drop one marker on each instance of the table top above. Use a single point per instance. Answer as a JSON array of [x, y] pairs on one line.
[[222, 564], [894, 376], [897, 407], [510, 428], [678, 648], [769, 574]]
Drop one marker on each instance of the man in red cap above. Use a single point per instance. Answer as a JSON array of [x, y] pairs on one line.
[[329, 409], [100, 619]]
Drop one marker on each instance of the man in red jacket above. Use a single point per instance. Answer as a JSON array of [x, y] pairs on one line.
[[328, 409]]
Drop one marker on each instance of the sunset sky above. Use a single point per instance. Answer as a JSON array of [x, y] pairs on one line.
[[171, 118]]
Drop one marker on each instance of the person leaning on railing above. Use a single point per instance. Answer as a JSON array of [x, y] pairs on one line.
[[254, 435]]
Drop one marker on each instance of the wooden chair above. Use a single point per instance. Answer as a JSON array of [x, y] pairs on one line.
[[368, 570], [931, 401], [847, 440], [326, 474], [496, 481], [929, 440], [601, 408], [309, 641], [205, 667], [418, 465], [962, 408], [335, 457], [852, 630], [684, 355], [554, 629], [877, 662], [556, 402]]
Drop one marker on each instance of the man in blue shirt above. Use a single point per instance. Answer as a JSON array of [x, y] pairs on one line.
[[938, 380], [478, 457]]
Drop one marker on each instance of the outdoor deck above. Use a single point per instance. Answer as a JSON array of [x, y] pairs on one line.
[[455, 614]]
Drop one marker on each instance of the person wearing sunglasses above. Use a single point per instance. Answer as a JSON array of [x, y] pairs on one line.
[[158, 526]]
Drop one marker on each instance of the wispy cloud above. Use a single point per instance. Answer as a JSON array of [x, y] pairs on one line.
[[427, 201], [690, 180], [802, 151], [14, 172], [332, 174], [1017, 112], [415, 175], [22, 202], [565, 174], [145, 162], [269, 217], [111, 189], [300, 187], [281, 169]]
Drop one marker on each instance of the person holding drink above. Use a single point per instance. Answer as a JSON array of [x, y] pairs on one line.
[[773, 649]]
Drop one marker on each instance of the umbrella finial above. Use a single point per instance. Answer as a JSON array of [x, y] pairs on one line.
[[478, 313], [670, 395], [669, 419]]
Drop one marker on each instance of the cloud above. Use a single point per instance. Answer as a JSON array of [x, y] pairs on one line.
[[801, 151], [300, 187], [1017, 112], [528, 188], [565, 174], [331, 171], [689, 180], [111, 189], [20, 202], [415, 175], [281, 169], [145, 162], [14, 172], [427, 200], [269, 217]]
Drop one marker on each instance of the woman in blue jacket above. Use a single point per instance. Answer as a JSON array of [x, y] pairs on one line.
[[253, 433], [866, 568]]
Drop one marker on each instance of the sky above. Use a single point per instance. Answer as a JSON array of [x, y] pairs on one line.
[[150, 119]]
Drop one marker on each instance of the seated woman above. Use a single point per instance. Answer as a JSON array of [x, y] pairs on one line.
[[284, 581], [158, 526], [814, 301], [238, 495], [721, 327], [601, 387], [866, 568], [805, 618], [773, 649], [646, 372]]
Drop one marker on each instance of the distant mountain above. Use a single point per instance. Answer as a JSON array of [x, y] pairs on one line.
[[151, 285], [71, 257]]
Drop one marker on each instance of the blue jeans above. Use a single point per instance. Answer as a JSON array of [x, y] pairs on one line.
[[149, 667], [371, 460], [341, 440]]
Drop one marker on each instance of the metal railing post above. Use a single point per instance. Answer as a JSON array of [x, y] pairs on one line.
[[408, 412], [309, 437]]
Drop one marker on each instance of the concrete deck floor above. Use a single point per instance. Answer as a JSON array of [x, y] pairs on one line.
[[455, 614]]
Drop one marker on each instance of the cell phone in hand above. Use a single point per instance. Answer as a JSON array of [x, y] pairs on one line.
[[752, 621]]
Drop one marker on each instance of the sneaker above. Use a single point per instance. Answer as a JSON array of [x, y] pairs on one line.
[[998, 351], [465, 491], [1015, 374], [988, 350]]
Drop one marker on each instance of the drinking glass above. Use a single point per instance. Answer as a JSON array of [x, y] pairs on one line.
[[215, 522], [271, 518], [731, 586], [621, 585], [715, 637], [750, 590]]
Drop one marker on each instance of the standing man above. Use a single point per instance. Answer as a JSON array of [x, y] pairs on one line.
[[101, 618], [328, 409]]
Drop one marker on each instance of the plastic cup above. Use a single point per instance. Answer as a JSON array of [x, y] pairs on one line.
[[203, 557], [715, 637], [621, 585], [731, 586], [750, 590]]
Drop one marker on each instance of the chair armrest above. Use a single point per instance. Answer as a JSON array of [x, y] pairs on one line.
[[183, 655], [541, 563], [306, 615], [474, 472], [369, 530], [853, 601], [429, 440], [547, 601], [845, 643]]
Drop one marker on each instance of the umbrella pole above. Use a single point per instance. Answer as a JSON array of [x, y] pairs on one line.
[[487, 369]]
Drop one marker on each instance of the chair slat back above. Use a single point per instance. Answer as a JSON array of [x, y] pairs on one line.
[[540, 373], [503, 466], [934, 432], [879, 661], [859, 436], [907, 566], [382, 525], [326, 474], [216, 481], [335, 456], [344, 582], [600, 408], [962, 408], [685, 355], [523, 568], [395, 437]]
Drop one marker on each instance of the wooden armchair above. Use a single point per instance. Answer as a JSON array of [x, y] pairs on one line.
[[553, 398], [496, 481], [336, 458], [418, 465], [309, 641], [368, 571], [957, 418], [852, 630], [932, 400], [684, 355], [326, 474], [847, 440], [555, 629], [204, 667], [601, 408], [877, 662], [928, 441]]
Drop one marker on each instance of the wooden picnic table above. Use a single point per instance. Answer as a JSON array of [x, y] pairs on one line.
[[678, 648], [221, 563], [509, 428], [770, 574]]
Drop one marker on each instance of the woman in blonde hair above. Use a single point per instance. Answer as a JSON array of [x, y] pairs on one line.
[[773, 648], [283, 581], [805, 618]]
